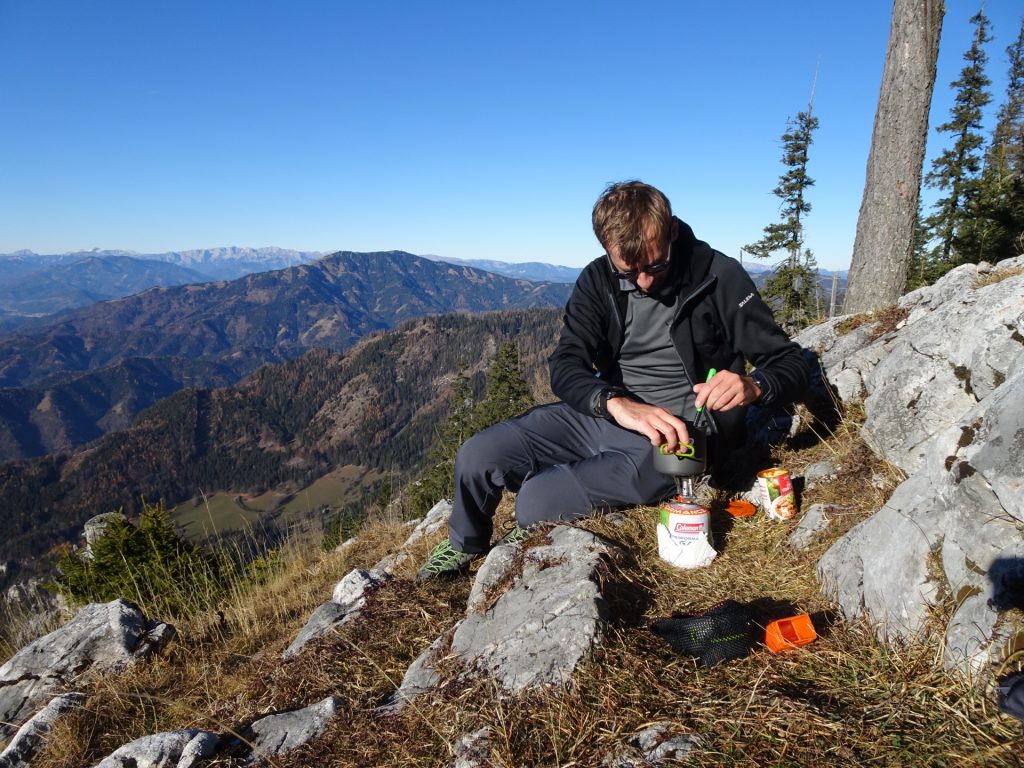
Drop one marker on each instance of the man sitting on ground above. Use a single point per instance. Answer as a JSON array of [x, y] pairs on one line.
[[645, 324]]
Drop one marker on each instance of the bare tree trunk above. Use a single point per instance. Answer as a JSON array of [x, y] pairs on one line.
[[888, 211]]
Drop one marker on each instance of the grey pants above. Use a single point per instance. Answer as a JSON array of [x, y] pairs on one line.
[[561, 463]]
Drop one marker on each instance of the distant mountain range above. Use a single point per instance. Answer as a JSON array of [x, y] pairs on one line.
[[34, 286], [69, 285], [93, 369], [214, 263], [528, 270], [758, 271]]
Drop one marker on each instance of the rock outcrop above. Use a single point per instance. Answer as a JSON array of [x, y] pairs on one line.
[[531, 616], [101, 637], [653, 746], [32, 735], [280, 733], [271, 736], [173, 749], [943, 393], [345, 604]]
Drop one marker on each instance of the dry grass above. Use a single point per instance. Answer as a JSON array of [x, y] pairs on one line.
[[884, 321], [20, 625], [997, 276], [843, 700]]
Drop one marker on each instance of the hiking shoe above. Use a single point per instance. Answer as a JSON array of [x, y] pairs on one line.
[[514, 535], [444, 560]]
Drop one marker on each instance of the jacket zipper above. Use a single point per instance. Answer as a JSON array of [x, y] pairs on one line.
[[713, 428]]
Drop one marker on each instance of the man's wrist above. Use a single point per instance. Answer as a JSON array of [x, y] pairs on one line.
[[599, 405], [764, 388]]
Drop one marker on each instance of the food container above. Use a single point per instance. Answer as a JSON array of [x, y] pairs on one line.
[[777, 495], [792, 632]]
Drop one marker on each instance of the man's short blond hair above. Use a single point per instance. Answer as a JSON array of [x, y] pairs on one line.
[[629, 212]]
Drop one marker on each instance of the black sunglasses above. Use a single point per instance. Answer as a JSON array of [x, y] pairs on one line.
[[632, 274]]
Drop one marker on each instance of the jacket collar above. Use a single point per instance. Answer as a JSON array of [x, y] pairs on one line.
[[690, 265]]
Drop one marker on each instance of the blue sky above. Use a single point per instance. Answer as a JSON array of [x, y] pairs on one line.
[[465, 129]]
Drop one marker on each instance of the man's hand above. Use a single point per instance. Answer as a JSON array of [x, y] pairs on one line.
[[726, 390], [660, 426]]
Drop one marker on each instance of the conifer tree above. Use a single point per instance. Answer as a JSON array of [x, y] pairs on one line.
[[957, 170], [437, 482], [507, 394], [994, 231], [149, 564], [791, 289], [917, 272]]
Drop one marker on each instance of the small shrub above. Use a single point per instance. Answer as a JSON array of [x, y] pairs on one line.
[[150, 565]]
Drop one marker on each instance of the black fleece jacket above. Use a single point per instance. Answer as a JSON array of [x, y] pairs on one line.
[[720, 321]]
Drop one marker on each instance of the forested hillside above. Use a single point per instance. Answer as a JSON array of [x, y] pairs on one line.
[[64, 385], [378, 405]]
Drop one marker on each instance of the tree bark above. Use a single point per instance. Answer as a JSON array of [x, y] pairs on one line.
[[888, 212]]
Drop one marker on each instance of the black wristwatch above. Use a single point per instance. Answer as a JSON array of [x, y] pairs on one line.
[[762, 384], [599, 404]]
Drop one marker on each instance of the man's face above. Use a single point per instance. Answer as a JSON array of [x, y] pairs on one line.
[[655, 257]]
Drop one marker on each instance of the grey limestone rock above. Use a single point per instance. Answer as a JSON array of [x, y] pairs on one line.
[[540, 628], [32, 735], [278, 734], [106, 637], [171, 749], [496, 568], [813, 522], [819, 472], [474, 749], [350, 593], [96, 526], [420, 677], [528, 628], [948, 408], [652, 747], [846, 357], [996, 450], [348, 599], [433, 521], [37, 608], [948, 357], [910, 397], [938, 536], [879, 569]]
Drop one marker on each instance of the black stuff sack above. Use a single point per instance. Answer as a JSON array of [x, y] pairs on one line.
[[723, 632]]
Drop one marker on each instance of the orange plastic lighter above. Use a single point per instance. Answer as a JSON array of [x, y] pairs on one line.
[[791, 632]]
